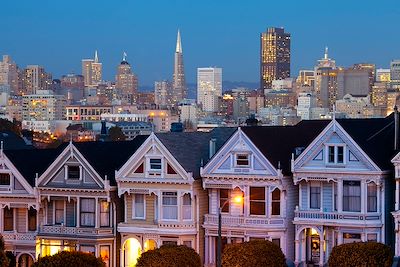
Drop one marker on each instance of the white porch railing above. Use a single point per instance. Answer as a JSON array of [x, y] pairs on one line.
[[241, 221], [319, 215], [176, 225], [19, 236], [64, 230]]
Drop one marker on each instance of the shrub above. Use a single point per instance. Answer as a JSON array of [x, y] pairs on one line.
[[254, 253], [4, 260], [361, 254], [68, 259], [170, 255]]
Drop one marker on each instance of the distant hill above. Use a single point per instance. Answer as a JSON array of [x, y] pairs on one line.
[[192, 87]]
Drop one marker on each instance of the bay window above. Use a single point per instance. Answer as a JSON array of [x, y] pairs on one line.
[[372, 203], [139, 206], [170, 205], [351, 196], [186, 207], [257, 200], [88, 212], [315, 197]]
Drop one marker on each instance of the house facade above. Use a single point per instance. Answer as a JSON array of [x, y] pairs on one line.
[[341, 191], [240, 170], [161, 202]]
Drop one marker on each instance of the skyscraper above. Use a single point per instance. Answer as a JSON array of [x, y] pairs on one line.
[[275, 56], [126, 81], [209, 88], [35, 78], [9, 73], [92, 70], [326, 84], [162, 93], [395, 71], [179, 83]]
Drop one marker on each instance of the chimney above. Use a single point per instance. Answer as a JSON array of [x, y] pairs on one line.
[[212, 145], [396, 128]]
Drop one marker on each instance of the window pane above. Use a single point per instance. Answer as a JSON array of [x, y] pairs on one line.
[[242, 160], [170, 205], [340, 157], [104, 214], [372, 198], [155, 164], [4, 179], [223, 198], [139, 206], [31, 219], [59, 211], [88, 212], [276, 202], [315, 197], [331, 154], [187, 207], [257, 200], [351, 196], [73, 172], [8, 219]]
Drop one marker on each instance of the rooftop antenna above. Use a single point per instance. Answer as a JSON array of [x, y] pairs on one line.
[[124, 55]]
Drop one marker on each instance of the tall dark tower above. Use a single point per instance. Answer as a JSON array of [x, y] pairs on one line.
[[274, 56], [179, 84]]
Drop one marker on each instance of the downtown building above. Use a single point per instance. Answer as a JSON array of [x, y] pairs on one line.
[[209, 88], [274, 56], [126, 82], [306, 188], [179, 89], [92, 71]]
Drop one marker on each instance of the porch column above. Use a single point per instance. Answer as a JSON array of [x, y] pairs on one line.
[[321, 249], [206, 248], [1, 218], [303, 246], [397, 195], [78, 212], [340, 196], [297, 251]]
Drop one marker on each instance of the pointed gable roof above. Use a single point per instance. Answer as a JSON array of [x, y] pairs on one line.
[[277, 143], [190, 149]]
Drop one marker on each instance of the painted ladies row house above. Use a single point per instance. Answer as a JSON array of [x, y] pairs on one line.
[[307, 188]]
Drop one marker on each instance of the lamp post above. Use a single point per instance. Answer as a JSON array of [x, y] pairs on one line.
[[238, 200]]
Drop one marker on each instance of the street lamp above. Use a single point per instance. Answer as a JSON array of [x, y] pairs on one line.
[[237, 199]]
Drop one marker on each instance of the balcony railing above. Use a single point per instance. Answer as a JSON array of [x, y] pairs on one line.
[[331, 216], [19, 236], [176, 225], [241, 221], [64, 230]]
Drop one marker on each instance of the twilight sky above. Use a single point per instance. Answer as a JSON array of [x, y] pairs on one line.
[[225, 33]]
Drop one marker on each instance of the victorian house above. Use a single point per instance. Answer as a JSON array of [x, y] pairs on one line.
[[18, 210], [344, 179], [77, 197], [253, 165], [164, 200]]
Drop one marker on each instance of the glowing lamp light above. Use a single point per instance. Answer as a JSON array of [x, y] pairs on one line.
[[238, 199]]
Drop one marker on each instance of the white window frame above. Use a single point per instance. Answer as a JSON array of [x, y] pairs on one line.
[[162, 206], [134, 205], [248, 160], [336, 154], [11, 184]]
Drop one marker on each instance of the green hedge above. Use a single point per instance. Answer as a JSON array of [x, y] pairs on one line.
[[70, 259], [258, 253], [368, 254], [171, 256]]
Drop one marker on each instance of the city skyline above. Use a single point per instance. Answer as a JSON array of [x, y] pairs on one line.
[[125, 28]]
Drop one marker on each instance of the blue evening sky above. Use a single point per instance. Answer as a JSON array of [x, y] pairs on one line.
[[225, 33]]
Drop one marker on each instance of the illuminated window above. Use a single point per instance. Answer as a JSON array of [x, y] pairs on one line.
[[105, 254], [88, 249], [104, 213], [150, 244]]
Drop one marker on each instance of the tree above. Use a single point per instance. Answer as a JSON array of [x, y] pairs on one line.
[[4, 260], [254, 253], [170, 255], [116, 134], [70, 258], [6, 125], [361, 254]]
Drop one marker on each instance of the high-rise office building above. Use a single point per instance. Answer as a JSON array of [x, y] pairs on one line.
[[179, 83], [395, 71], [9, 74], [35, 78], [126, 81], [163, 93], [275, 56], [326, 86], [209, 88], [92, 70], [382, 75]]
